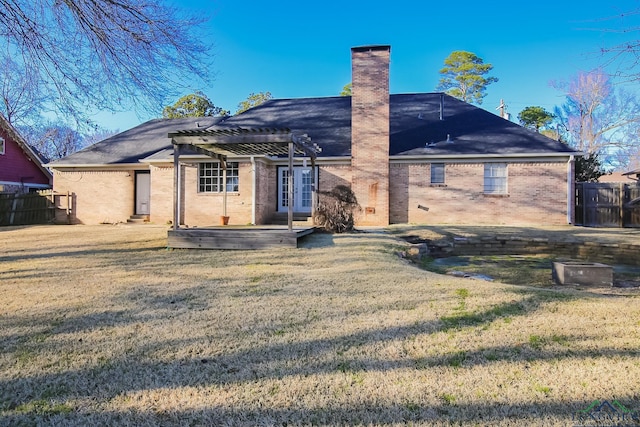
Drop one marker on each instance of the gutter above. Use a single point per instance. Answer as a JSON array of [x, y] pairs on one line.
[[483, 156], [102, 166]]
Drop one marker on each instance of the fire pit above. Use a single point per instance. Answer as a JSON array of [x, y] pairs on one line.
[[582, 273]]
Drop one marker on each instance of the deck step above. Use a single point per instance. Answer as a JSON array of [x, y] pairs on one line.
[[298, 218], [138, 219]]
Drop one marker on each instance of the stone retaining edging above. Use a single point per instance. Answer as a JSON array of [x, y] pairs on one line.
[[612, 253]]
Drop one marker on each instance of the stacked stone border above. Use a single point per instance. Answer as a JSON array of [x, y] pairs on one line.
[[608, 253]]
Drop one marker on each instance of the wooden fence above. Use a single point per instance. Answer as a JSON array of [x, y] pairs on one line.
[[607, 204], [27, 208]]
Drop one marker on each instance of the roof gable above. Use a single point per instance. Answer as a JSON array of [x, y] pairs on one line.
[[29, 152]]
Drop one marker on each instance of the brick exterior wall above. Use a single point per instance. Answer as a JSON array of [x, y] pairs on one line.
[[266, 189], [96, 196], [461, 199], [204, 209], [370, 132], [331, 176], [161, 196]]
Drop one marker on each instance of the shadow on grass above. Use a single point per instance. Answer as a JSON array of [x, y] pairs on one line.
[[572, 412], [76, 252], [29, 398]]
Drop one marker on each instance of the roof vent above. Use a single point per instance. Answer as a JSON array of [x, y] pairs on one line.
[[449, 140]]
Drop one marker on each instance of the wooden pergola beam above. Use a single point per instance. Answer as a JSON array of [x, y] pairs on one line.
[[220, 143]]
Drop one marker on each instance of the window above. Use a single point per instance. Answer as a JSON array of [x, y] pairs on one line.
[[437, 173], [1, 145], [210, 177], [495, 178]]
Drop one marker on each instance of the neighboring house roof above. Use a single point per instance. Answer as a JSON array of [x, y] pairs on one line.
[[29, 151], [614, 177], [630, 174], [415, 129], [134, 144]]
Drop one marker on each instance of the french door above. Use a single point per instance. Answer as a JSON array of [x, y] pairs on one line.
[[302, 189]]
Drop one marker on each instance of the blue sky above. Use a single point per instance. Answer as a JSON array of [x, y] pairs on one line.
[[302, 48]]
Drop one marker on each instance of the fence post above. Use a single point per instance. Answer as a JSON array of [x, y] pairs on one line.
[[68, 208], [14, 207], [621, 202]]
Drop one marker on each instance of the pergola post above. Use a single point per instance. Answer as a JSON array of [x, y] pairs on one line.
[[290, 188], [177, 181], [314, 190], [223, 163]]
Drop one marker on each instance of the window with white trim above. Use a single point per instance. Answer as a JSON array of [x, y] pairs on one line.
[[1, 145], [437, 173], [210, 176], [495, 178]]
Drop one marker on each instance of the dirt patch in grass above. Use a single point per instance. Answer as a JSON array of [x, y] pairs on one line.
[[528, 270], [105, 326]]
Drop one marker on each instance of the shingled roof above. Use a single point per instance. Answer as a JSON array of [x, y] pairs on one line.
[[415, 130], [134, 144], [415, 126]]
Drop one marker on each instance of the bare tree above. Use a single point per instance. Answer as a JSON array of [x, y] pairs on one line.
[[54, 140], [104, 54], [624, 57], [20, 93], [597, 118], [97, 135]]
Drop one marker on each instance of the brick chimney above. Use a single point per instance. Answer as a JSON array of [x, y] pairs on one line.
[[370, 132]]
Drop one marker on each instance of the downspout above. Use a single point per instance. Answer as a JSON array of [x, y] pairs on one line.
[[290, 185], [571, 193], [223, 163], [254, 185], [224, 192], [314, 190]]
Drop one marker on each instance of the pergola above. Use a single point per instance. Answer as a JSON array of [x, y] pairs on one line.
[[222, 143]]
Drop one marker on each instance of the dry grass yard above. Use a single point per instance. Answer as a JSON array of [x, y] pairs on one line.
[[105, 326]]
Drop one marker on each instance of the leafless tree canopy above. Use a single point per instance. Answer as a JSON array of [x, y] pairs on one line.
[[599, 119], [104, 54]]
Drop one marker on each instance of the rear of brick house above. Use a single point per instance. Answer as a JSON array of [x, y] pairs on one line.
[[410, 158]]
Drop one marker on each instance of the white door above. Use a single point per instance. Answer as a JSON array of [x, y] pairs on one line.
[[302, 189], [143, 192]]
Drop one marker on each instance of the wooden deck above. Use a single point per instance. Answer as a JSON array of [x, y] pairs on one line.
[[236, 237]]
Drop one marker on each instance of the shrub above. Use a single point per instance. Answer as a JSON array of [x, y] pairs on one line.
[[336, 209]]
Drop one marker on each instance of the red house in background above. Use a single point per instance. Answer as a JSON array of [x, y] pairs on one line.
[[21, 169]]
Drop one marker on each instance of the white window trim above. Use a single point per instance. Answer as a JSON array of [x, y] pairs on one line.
[[2, 145], [444, 175], [490, 176], [232, 166]]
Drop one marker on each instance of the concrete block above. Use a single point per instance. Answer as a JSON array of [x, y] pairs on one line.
[[582, 273]]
